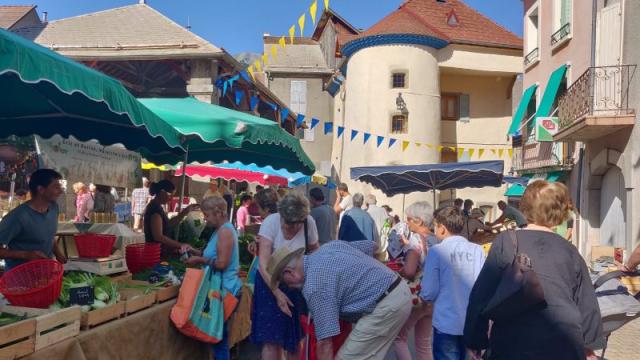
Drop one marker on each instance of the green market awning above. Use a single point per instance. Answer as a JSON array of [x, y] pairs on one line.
[[549, 97], [517, 190], [216, 134], [516, 122], [44, 93]]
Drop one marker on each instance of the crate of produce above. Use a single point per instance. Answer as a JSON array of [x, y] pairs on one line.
[[136, 299], [52, 326], [17, 337], [168, 292], [164, 291], [100, 316]]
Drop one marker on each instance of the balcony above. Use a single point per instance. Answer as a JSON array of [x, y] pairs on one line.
[[561, 36], [597, 104], [532, 58], [539, 155]]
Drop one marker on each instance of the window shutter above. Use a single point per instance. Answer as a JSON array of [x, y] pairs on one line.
[[464, 108], [565, 12]]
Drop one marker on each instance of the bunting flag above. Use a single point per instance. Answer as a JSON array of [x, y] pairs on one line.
[[314, 123], [418, 144], [239, 95], [392, 142], [292, 33], [284, 113], [471, 152], [301, 21], [480, 153], [460, 152], [430, 146], [265, 59], [354, 133], [250, 71], [340, 131], [500, 153], [258, 66], [380, 140], [452, 148], [300, 120], [405, 144], [224, 88], [493, 151], [254, 102], [366, 137], [326, 4], [328, 127], [283, 43], [440, 148], [274, 52], [245, 76], [273, 106], [510, 153], [313, 11]]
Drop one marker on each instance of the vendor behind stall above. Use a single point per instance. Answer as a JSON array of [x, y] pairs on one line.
[[28, 232], [156, 222]]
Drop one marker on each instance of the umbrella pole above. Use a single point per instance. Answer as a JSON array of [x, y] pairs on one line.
[[184, 177], [404, 196], [434, 199]]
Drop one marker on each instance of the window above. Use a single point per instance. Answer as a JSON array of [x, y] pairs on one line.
[[531, 33], [398, 80], [399, 124], [561, 22], [455, 107], [531, 111], [452, 19], [298, 104]]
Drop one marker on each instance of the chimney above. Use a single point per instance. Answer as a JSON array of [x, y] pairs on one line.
[[45, 17], [142, 1]]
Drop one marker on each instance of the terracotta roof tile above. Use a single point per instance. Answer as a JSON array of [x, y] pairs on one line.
[[429, 17], [9, 15]]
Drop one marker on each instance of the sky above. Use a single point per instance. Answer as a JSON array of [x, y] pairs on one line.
[[238, 25]]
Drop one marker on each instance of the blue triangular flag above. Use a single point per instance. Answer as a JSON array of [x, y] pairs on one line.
[[340, 131], [239, 95], [392, 142], [224, 88], [233, 79], [272, 105], [254, 102], [314, 123], [380, 140], [328, 127], [366, 137], [245, 76], [354, 133], [284, 113], [300, 120]]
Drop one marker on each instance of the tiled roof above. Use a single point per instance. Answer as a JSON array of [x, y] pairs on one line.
[[9, 15], [135, 30], [304, 56], [430, 18]]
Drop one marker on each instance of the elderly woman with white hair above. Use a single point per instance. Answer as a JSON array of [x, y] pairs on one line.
[[221, 254], [419, 218], [84, 202], [276, 310]]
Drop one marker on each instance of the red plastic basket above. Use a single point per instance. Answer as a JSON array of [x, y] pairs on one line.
[[94, 245], [142, 256], [35, 284]]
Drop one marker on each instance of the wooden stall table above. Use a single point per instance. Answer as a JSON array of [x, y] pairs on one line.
[[148, 334]]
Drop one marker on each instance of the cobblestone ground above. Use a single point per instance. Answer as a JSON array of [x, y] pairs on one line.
[[623, 343]]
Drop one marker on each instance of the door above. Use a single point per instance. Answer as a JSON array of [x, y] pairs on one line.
[[613, 206]]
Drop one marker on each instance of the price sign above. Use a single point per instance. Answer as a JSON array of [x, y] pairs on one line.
[[81, 295]]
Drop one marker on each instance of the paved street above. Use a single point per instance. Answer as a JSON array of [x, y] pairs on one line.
[[623, 344]]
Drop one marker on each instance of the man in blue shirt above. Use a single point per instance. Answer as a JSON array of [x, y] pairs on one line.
[[450, 270], [342, 280], [357, 224], [28, 232]]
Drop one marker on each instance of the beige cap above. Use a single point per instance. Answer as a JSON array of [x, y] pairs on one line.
[[279, 261]]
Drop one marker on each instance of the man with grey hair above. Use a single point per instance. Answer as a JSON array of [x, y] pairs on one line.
[[380, 217], [357, 224], [139, 199]]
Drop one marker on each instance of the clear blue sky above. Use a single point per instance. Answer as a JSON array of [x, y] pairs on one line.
[[238, 25]]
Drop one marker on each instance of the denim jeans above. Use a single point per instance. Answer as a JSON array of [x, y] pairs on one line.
[[221, 349], [448, 347]]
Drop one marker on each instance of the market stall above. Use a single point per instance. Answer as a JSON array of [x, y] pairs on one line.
[[204, 173]]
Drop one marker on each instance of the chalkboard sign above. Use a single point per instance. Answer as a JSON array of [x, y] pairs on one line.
[[81, 295]]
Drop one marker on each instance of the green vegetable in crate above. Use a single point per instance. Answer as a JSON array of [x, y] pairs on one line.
[[8, 319], [105, 291]]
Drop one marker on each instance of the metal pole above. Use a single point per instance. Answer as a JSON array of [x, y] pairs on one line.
[[434, 199], [184, 177], [403, 205]]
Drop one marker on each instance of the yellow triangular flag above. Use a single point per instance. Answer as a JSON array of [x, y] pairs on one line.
[[265, 59], [283, 43], [452, 148], [418, 144], [313, 10], [292, 33], [493, 151], [326, 4], [471, 152], [440, 148], [250, 71], [460, 152], [405, 144], [258, 66], [274, 52], [480, 153], [510, 153], [500, 153], [430, 146], [301, 21]]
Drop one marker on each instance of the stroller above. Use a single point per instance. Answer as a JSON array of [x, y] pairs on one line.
[[617, 305]]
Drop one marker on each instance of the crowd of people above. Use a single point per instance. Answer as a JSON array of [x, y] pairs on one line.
[[380, 281]]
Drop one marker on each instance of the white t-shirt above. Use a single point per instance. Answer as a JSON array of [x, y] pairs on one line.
[[346, 203], [271, 229]]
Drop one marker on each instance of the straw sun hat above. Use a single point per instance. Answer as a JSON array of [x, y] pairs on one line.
[[279, 261]]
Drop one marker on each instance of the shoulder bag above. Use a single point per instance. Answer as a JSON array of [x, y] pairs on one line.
[[519, 289]]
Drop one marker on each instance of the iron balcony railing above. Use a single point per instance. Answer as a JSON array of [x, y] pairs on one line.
[[542, 155], [531, 57], [600, 91], [561, 34]]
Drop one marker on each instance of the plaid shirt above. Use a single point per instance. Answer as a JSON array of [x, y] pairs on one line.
[[342, 279], [139, 199]]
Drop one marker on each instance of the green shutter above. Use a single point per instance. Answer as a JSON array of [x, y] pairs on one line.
[[464, 108], [551, 91], [522, 110]]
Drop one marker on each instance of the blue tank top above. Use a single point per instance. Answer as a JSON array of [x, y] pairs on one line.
[[230, 278]]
